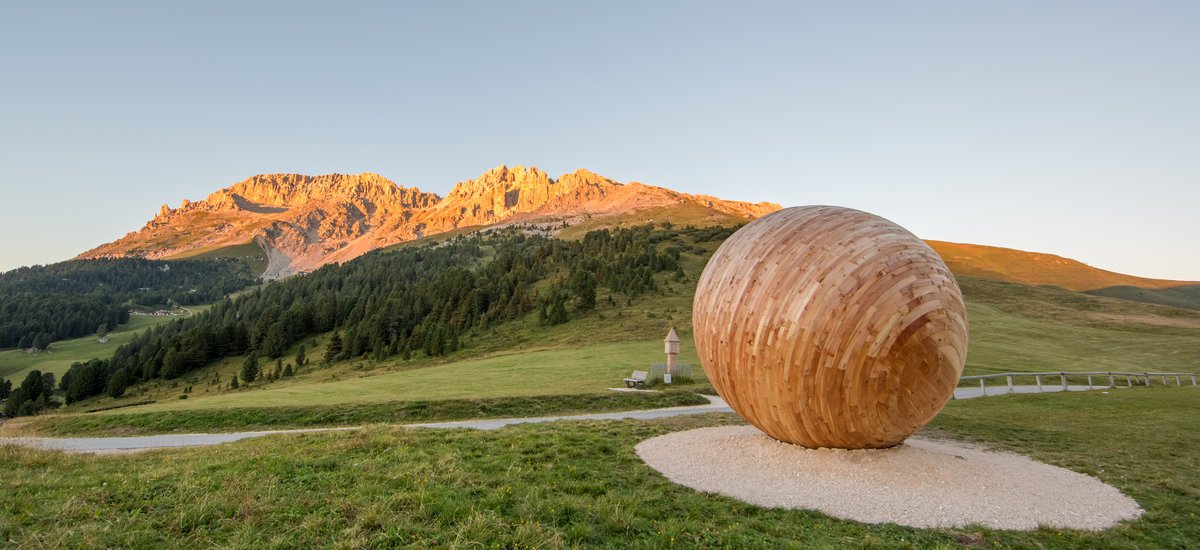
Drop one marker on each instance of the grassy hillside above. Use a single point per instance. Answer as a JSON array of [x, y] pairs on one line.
[[691, 214], [1013, 328], [16, 363], [519, 372], [1186, 296], [569, 485], [1018, 328], [250, 253], [1035, 268]]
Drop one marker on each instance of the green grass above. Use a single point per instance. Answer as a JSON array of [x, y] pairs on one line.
[[567, 485], [1018, 328], [250, 253], [1142, 441], [529, 373], [1184, 296], [1014, 328], [15, 364], [396, 412]]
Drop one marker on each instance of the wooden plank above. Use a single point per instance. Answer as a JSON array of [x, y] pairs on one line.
[[830, 327]]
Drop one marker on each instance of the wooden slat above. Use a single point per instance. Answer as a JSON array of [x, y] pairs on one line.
[[830, 327]]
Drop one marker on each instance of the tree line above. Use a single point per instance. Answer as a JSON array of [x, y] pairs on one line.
[[389, 303], [42, 304]]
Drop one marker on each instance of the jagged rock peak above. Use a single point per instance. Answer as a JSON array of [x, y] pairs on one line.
[[530, 181], [501, 177], [286, 190]]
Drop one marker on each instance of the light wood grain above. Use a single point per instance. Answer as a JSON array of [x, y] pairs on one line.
[[830, 327]]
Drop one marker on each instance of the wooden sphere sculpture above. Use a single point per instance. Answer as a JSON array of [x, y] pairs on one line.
[[830, 327]]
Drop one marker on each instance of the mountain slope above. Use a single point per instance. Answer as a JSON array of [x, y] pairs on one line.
[[302, 222], [1184, 296], [1035, 268]]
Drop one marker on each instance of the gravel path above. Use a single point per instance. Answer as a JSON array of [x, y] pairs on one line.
[[145, 442], [921, 483], [139, 443]]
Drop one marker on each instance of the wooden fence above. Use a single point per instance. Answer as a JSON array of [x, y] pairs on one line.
[[1063, 379]]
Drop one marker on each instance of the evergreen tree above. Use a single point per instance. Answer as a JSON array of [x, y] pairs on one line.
[[29, 398], [557, 313], [334, 348], [250, 367], [421, 298], [300, 356], [287, 370], [5, 388], [275, 342], [173, 364], [583, 285], [42, 340], [233, 383]]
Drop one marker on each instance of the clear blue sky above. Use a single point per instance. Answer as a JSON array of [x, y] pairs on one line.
[[1064, 127]]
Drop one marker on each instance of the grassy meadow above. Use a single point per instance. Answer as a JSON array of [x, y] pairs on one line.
[[569, 484], [250, 253], [15, 364], [1014, 328], [1018, 328], [518, 373]]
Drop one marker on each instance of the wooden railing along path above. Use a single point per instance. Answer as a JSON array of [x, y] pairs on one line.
[[1062, 380]]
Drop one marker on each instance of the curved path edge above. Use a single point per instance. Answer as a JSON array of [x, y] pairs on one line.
[[147, 442]]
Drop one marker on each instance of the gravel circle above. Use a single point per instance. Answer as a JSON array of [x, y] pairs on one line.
[[920, 483]]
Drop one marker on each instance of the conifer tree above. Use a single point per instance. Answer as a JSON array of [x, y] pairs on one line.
[[583, 285], [334, 348], [557, 313], [250, 367]]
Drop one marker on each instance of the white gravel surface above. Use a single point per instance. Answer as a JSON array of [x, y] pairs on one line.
[[921, 483]]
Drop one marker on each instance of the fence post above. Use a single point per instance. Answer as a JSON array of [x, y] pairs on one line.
[[982, 387], [1064, 380], [1111, 383], [1177, 382], [1039, 382], [1149, 381], [1010, 387], [1089, 381], [1193, 380]]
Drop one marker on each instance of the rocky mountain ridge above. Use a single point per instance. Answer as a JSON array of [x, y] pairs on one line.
[[302, 222]]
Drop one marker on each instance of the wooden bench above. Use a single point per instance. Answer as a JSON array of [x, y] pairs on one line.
[[638, 380]]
